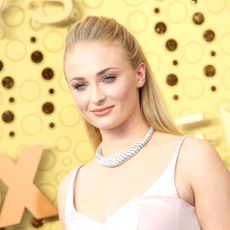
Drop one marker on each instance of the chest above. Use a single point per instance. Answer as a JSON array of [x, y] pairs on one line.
[[103, 192]]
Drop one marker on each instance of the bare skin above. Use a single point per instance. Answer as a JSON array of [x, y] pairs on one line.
[[201, 178]]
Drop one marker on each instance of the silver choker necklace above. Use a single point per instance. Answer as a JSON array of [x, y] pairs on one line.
[[122, 157]]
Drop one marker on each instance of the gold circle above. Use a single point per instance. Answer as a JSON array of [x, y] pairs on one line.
[[15, 50], [215, 6], [193, 88], [83, 151], [47, 161], [31, 124], [53, 41], [137, 21], [225, 44], [13, 16], [60, 175], [69, 116], [67, 161], [30, 90], [177, 12], [192, 52], [63, 143]]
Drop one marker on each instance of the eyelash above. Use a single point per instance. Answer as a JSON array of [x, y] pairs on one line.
[[81, 86], [109, 78]]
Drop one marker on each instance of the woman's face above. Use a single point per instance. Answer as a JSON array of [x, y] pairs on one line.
[[103, 83]]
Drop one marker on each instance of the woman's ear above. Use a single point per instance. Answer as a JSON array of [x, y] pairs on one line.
[[140, 75]]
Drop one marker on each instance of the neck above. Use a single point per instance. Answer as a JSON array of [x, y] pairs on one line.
[[120, 138]]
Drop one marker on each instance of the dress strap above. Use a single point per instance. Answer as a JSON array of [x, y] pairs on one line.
[[69, 205]]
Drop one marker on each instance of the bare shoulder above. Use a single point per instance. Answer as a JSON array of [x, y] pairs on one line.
[[209, 179], [201, 152]]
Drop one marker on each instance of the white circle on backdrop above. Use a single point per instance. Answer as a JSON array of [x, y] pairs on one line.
[[15, 50], [31, 124], [48, 160], [30, 90], [13, 16], [137, 21], [225, 44], [83, 151], [69, 116], [192, 52], [53, 41], [63, 143], [215, 6], [177, 12], [193, 88]]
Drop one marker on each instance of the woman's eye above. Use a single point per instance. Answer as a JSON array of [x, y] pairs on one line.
[[80, 86], [109, 78]]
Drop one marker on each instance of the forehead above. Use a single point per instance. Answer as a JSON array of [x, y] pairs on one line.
[[86, 57]]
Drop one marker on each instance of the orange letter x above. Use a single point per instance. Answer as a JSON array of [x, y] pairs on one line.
[[22, 193]]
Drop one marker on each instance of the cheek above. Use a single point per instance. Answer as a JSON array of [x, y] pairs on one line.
[[123, 92], [80, 101]]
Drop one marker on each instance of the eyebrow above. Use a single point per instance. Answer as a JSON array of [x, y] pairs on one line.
[[97, 74]]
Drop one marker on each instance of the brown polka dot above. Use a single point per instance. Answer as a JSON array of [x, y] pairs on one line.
[[208, 35], [172, 79], [171, 44], [7, 116], [51, 91], [8, 82], [47, 73], [51, 125], [37, 56], [33, 39], [1, 65], [209, 70], [213, 88], [12, 134], [157, 10], [175, 62], [198, 18], [213, 53], [160, 27], [11, 99], [37, 223], [48, 107], [175, 97]]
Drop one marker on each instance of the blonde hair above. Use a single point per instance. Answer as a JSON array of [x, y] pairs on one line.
[[94, 28]]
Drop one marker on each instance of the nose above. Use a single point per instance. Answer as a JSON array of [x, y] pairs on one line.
[[97, 95]]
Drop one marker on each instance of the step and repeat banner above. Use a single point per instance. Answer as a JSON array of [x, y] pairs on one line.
[[42, 135]]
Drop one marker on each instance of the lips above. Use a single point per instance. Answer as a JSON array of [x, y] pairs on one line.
[[102, 111]]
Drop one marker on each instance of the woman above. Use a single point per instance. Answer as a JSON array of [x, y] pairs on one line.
[[145, 175]]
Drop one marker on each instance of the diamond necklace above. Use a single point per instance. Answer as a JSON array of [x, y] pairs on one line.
[[122, 157]]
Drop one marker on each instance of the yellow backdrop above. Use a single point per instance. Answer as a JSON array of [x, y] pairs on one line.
[[187, 43]]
